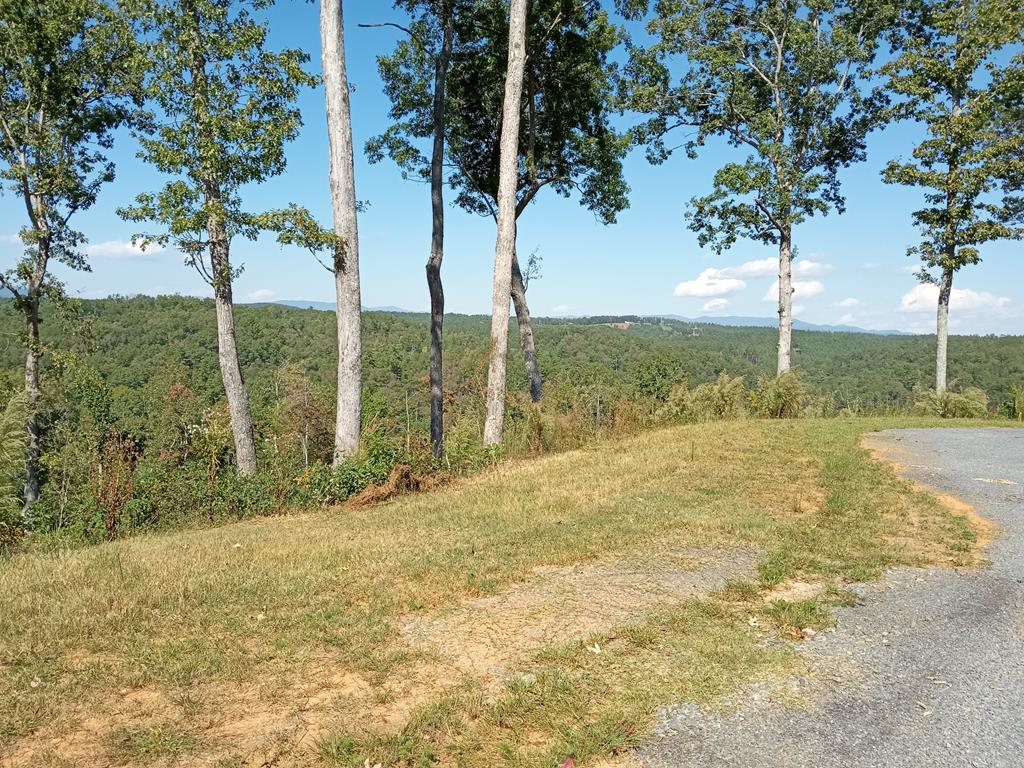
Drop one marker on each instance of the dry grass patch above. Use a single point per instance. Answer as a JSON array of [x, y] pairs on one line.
[[294, 640]]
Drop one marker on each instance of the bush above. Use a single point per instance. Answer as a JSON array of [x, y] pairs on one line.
[[1013, 407], [711, 401], [780, 397], [324, 484], [13, 440], [971, 403], [821, 406]]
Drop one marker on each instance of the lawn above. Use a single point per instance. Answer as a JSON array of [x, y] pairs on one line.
[[543, 609]]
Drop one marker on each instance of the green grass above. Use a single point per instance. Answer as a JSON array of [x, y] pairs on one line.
[[300, 616]]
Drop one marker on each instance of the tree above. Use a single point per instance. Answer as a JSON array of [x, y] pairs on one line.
[[504, 249], [427, 53], [69, 71], [346, 251], [781, 79], [225, 111], [566, 141], [947, 77]]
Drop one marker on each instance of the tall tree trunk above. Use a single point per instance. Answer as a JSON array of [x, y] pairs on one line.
[[504, 251], [346, 257], [942, 329], [785, 301], [220, 264], [32, 391], [526, 332], [434, 285], [227, 351]]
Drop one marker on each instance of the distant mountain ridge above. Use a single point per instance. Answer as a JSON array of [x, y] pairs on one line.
[[731, 320], [771, 322]]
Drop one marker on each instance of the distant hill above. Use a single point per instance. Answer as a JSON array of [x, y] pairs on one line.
[[139, 343], [772, 322], [730, 320], [328, 306]]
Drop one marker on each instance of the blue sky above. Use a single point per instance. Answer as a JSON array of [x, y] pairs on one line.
[[854, 271]]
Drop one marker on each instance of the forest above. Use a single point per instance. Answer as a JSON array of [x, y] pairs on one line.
[[123, 413], [136, 433]]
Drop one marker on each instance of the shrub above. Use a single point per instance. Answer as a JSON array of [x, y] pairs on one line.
[[13, 440], [711, 401], [780, 397], [463, 444], [1013, 407], [324, 484], [970, 403], [821, 406]]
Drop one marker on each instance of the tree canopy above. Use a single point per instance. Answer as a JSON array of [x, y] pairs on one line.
[[567, 140]]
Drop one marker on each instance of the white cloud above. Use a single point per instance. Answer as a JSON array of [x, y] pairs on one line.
[[847, 319], [261, 294], [716, 305], [798, 309], [710, 282], [910, 269], [12, 239], [849, 303], [924, 297], [804, 289], [810, 268], [871, 265], [119, 249], [719, 281], [560, 310], [755, 268]]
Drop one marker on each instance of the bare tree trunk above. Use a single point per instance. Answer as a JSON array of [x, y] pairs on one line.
[[785, 301], [346, 258], [504, 251], [227, 349], [942, 329], [32, 391], [526, 332], [434, 285]]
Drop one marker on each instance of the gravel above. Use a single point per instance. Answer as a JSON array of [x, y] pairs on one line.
[[928, 671]]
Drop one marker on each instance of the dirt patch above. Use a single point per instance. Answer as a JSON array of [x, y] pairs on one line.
[[486, 637], [795, 591], [279, 719]]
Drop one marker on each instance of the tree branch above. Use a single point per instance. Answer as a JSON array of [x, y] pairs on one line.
[[407, 31]]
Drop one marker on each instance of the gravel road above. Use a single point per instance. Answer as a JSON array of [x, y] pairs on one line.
[[929, 671]]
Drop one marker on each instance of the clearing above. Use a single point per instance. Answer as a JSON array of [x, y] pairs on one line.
[[546, 608]]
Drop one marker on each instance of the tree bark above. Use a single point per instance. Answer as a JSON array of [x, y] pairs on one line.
[[785, 302], [434, 284], [346, 257], [504, 251], [227, 351], [32, 391], [526, 332], [942, 329]]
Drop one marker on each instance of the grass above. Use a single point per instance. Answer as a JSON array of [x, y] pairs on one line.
[[141, 744], [283, 637]]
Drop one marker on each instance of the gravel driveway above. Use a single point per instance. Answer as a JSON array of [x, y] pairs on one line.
[[929, 671]]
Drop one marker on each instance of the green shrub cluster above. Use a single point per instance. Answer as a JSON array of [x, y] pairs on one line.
[[969, 403], [780, 397], [723, 398], [1013, 407]]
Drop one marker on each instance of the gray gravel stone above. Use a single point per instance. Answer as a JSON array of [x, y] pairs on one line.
[[928, 671]]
